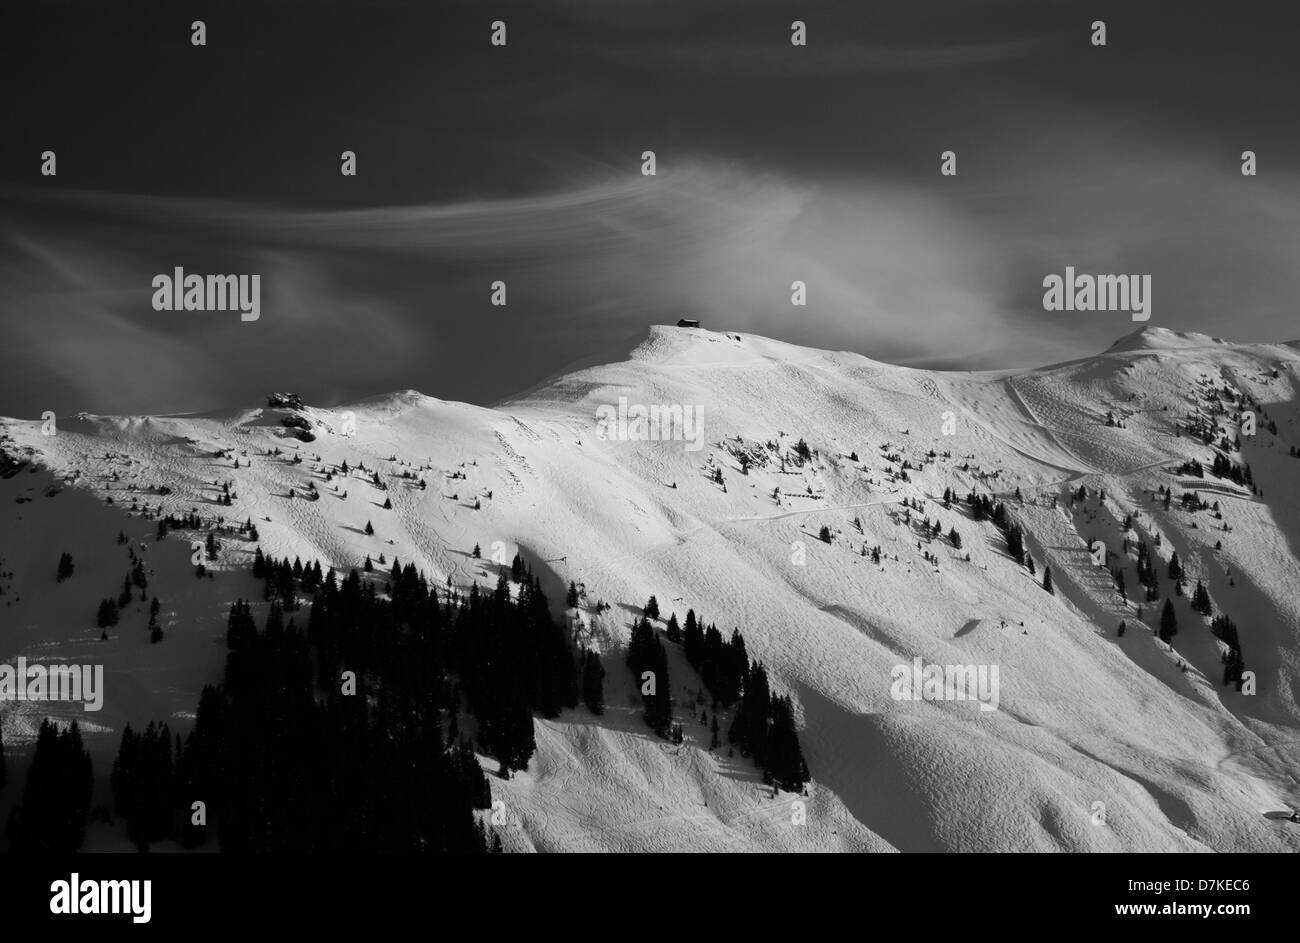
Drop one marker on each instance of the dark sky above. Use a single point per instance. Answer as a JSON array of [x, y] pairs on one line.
[[522, 164]]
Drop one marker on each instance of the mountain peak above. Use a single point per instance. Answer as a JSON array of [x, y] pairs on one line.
[[1150, 337]]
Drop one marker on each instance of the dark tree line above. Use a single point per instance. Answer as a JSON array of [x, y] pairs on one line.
[[346, 736], [648, 659], [721, 664], [593, 681], [1234, 663], [512, 658], [764, 728], [1010, 530], [51, 818], [147, 787], [764, 725]]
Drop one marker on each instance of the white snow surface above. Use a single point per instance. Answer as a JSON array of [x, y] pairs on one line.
[[1178, 761]]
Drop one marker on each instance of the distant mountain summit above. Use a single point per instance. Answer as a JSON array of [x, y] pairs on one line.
[[1161, 338]]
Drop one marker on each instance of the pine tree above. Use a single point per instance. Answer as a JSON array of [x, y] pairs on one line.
[[785, 761], [648, 660], [1233, 667], [478, 552], [1122, 627], [674, 630], [107, 614], [370, 529], [693, 639], [1201, 600], [593, 682], [56, 797], [65, 567], [571, 598], [1168, 622], [1175, 568], [513, 738], [750, 727], [1047, 580], [652, 608]]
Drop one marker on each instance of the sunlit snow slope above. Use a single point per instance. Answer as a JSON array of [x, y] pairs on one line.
[[1177, 760]]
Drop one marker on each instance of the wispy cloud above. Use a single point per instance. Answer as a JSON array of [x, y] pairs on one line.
[[942, 272]]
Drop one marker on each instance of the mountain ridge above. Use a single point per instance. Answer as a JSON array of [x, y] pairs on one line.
[[1085, 715]]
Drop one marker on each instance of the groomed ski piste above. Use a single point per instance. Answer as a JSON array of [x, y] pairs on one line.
[[1177, 760]]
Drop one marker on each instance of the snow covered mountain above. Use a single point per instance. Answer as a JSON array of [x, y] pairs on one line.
[[1100, 742]]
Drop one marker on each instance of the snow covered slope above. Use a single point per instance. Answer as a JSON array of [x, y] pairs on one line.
[[1177, 760]]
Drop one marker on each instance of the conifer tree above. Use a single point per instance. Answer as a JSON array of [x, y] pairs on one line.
[[693, 639], [1233, 667], [648, 660], [785, 761], [51, 818], [593, 682], [1201, 600], [1168, 622], [749, 729], [1047, 580], [65, 567], [107, 614], [513, 738]]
